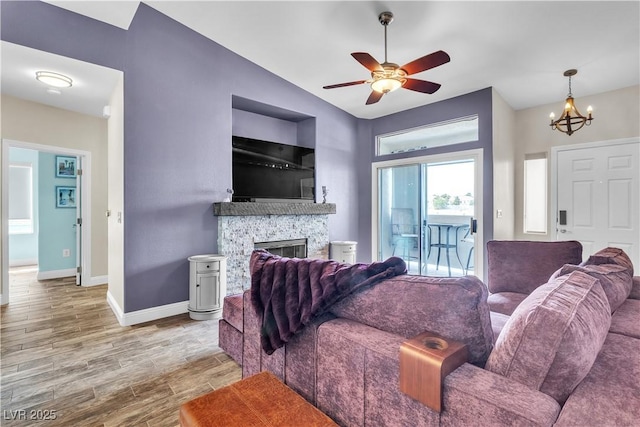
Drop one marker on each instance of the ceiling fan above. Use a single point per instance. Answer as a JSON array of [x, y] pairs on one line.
[[387, 77]]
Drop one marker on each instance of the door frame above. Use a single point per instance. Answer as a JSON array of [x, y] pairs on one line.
[[553, 206], [85, 206], [477, 155]]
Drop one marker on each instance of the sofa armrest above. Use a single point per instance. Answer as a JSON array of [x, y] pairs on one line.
[[471, 394], [452, 307]]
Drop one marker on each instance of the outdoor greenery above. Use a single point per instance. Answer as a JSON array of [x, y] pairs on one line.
[[444, 201]]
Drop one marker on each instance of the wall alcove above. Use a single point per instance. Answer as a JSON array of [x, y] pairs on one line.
[[253, 119]]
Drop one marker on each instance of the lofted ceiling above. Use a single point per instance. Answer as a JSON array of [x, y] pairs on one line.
[[521, 48]]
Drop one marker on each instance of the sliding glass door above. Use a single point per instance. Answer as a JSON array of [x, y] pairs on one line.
[[426, 213], [399, 214]]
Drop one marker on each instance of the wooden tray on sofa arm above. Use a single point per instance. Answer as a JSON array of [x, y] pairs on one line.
[[425, 361]]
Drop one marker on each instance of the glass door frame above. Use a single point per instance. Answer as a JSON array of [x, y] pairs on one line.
[[476, 155]]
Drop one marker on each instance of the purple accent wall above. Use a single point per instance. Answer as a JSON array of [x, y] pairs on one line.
[[51, 29], [178, 89], [478, 102], [258, 126]]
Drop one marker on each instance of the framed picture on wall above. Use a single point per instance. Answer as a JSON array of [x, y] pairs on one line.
[[65, 197], [66, 167]]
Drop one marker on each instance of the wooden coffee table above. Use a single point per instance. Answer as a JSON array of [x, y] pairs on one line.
[[259, 400]]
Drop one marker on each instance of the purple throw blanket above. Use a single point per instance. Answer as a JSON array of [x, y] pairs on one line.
[[288, 293]]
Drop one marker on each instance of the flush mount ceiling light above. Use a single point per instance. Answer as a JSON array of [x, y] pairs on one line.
[[53, 79], [571, 120]]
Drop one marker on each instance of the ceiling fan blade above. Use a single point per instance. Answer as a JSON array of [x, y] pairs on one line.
[[359, 82], [421, 86], [367, 60], [374, 97], [427, 62]]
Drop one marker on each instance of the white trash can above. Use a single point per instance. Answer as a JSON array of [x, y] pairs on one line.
[[343, 251]]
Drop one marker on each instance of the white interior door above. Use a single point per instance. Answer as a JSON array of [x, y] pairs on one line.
[[598, 197]]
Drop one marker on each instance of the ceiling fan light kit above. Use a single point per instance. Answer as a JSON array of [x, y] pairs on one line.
[[388, 80], [570, 120], [387, 76]]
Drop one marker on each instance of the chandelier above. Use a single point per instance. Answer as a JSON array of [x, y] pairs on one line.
[[571, 120]]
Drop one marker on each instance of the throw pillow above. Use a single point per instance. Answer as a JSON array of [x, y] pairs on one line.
[[614, 279], [610, 256], [553, 337]]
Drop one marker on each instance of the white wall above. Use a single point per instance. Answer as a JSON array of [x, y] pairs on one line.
[[504, 140], [116, 196], [31, 122], [616, 116]]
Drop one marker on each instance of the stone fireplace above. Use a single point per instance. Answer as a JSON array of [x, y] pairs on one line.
[[242, 225]]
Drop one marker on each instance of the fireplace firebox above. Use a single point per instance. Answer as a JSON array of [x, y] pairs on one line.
[[294, 248]]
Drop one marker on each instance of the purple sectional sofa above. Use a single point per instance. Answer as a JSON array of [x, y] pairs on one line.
[[556, 352]]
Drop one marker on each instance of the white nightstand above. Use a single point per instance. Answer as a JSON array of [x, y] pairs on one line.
[[207, 286]]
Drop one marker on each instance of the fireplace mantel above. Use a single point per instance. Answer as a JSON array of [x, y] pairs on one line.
[[275, 208]]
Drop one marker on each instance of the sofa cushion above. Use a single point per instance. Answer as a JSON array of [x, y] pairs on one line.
[[230, 340], [610, 394], [553, 337], [498, 321], [358, 375], [505, 302], [610, 256], [626, 319], [232, 311], [452, 307], [635, 288], [522, 266], [615, 280], [475, 397]]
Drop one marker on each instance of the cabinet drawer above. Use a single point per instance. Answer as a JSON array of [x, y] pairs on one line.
[[204, 267]]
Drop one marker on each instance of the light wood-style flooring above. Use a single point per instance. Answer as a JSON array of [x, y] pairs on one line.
[[64, 356]]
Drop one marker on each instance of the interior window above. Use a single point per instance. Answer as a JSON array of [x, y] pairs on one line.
[[535, 193], [20, 198], [440, 134]]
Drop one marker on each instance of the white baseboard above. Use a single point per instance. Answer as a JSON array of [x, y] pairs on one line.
[[115, 308], [96, 280], [148, 314], [22, 262], [55, 274]]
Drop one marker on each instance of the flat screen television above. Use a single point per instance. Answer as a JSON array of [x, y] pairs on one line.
[[270, 171]]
